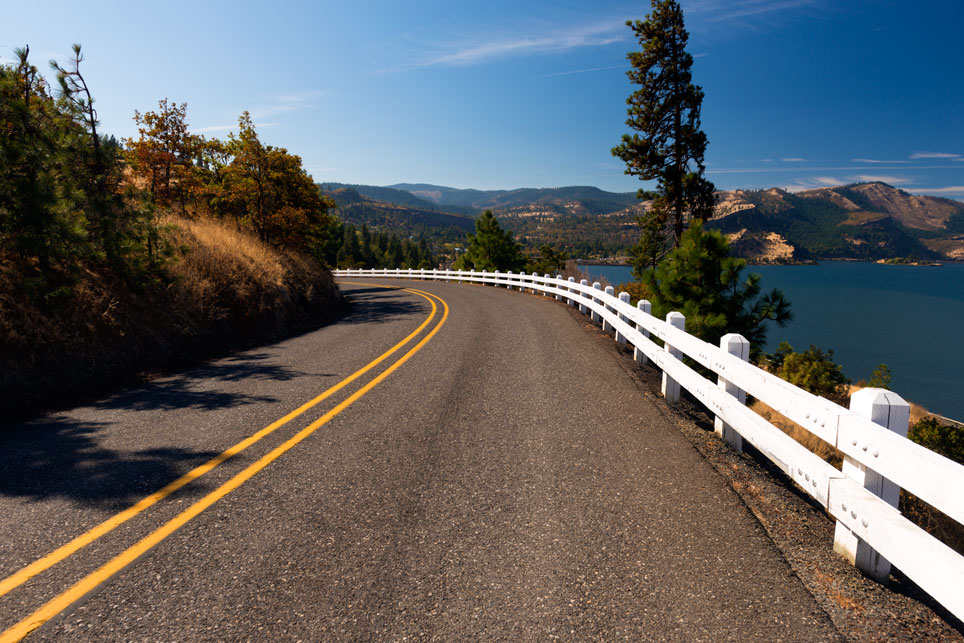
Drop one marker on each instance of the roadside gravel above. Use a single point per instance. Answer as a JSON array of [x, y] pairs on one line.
[[861, 609]]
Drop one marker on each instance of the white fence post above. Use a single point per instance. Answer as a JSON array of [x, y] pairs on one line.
[[533, 289], [623, 297], [645, 307], [734, 344], [670, 388], [544, 293], [889, 410], [571, 301], [582, 307], [593, 314], [558, 297], [508, 279], [606, 325]]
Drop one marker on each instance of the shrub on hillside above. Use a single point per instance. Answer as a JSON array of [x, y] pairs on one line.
[[940, 438], [813, 370]]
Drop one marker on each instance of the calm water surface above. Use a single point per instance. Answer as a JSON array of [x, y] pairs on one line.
[[907, 317]]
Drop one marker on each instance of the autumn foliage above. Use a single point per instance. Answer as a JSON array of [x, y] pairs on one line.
[[261, 187], [120, 257]]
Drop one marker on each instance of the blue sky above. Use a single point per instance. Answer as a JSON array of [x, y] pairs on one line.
[[498, 94]]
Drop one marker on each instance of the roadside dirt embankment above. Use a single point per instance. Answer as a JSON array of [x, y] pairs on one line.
[[224, 290]]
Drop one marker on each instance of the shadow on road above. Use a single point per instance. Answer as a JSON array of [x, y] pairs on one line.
[[60, 457], [378, 305], [181, 393]]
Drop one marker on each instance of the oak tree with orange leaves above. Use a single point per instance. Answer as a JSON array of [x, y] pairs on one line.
[[267, 189]]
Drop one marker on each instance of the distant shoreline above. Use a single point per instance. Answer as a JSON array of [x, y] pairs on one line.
[[812, 262]]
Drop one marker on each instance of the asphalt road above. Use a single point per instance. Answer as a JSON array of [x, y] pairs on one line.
[[508, 481]]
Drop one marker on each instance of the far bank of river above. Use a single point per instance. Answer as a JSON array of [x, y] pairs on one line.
[[907, 317]]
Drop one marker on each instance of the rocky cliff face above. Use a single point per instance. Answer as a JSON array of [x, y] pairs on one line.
[[870, 221]]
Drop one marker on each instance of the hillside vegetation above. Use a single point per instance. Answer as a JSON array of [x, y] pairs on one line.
[[123, 259], [225, 290], [864, 221], [407, 220]]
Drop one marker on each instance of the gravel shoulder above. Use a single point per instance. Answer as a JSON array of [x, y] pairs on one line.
[[861, 609]]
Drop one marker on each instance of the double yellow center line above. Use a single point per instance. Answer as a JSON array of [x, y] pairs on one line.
[[125, 558]]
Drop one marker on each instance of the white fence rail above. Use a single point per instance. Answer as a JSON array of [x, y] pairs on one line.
[[879, 459]]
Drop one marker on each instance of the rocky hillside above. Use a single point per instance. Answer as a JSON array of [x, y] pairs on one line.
[[867, 221]]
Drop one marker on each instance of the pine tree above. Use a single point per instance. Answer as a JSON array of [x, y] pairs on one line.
[[491, 247], [669, 145], [700, 279]]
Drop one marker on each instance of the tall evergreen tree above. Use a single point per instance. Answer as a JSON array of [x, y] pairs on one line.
[[700, 279], [491, 247], [669, 144]]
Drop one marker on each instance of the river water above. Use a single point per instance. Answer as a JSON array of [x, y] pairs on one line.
[[908, 317]]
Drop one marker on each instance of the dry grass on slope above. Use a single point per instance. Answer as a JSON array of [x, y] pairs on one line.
[[225, 290]]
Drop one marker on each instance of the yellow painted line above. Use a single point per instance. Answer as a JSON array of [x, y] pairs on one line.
[[90, 582], [18, 578]]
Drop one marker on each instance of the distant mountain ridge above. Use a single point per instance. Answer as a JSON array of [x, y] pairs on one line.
[[359, 209], [396, 196], [577, 197], [870, 221], [864, 221]]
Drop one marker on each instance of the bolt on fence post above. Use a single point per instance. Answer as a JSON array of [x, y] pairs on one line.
[[582, 307], [670, 387], [623, 297], [889, 410], [606, 325], [593, 314], [645, 307], [734, 344]]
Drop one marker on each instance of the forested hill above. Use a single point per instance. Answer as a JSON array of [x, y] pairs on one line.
[[868, 221], [397, 196], [582, 221], [572, 199], [358, 209]]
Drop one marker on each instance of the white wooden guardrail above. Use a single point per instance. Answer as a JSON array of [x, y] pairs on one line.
[[879, 459]]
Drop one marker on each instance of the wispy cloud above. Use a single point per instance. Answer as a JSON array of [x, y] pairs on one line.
[[934, 155], [793, 159], [777, 168], [876, 161], [739, 10], [952, 189], [271, 105], [815, 182], [285, 103], [871, 178], [582, 71], [474, 51]]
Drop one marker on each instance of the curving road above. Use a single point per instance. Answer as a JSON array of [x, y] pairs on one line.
[[506, 481]]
